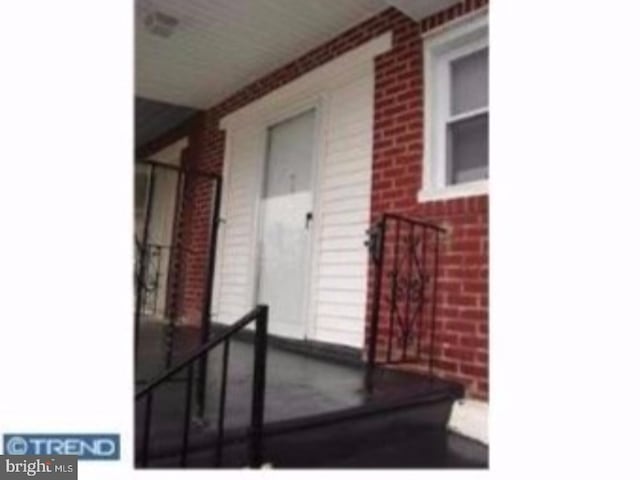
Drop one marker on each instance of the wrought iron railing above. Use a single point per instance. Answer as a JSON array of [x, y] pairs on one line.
[[259, 315], [161, 255], [157, 283], [404, 255], [149, 275]]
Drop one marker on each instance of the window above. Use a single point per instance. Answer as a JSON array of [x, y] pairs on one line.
[[457, 112]]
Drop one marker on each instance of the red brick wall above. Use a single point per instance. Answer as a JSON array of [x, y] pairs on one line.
[[461, 351], [205, 153], [461, 330], [459, 9], [206, 150], [397, 173]]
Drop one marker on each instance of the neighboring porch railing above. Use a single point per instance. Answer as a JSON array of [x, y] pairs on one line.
[[259, 315], [162, 256], [149, 275], [404, 255]]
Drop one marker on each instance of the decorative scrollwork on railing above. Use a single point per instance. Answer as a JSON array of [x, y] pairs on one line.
[[408, 293], [148, 271], [404, 253]]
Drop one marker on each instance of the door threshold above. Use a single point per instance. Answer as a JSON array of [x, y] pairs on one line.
[[333, 352]]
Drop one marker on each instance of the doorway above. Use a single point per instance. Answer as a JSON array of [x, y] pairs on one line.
[[286, 224]]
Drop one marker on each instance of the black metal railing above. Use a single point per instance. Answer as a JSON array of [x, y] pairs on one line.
[[157, 282], [150, 274], [260, 316], [163, 256], [404, 256]]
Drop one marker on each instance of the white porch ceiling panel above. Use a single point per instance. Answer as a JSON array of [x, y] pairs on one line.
[[218, 46], [418, 9]]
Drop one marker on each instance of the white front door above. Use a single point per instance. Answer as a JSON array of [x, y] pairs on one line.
[[283, 276]]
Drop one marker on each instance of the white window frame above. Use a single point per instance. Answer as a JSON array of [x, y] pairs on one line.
[[439, 51]]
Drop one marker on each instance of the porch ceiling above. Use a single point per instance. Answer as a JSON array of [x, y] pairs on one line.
[[418, 9], [152, 119], [220, 45]]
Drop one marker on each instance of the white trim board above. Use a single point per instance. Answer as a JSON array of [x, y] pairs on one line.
[[469, 33]]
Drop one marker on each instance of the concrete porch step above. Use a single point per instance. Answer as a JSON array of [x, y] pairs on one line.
[[429, 402], [298, 442], [310, 396]]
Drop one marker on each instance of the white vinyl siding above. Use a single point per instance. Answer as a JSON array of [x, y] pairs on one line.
[[345, 193], [342, 91], [236, 255]]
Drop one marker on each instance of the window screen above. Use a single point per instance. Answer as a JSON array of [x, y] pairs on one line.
[[467, 129], [468, 152], [470, 82], [289, 156]]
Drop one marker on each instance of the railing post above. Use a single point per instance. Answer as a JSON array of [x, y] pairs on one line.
[[146, 430], [259, 384], [186, 425], [222, 404], [173, 272], [206, 310], [434, 304], [378, 263]]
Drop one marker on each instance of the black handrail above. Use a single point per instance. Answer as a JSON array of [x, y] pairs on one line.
[[429, 225], [260, 315], [411, 289]]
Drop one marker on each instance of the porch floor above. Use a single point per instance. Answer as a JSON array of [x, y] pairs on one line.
[[298, 386]]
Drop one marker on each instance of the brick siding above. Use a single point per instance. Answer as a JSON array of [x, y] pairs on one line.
[[462, 320]]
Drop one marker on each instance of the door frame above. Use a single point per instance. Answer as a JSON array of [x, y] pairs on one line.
[[313, 88], [318, 104]]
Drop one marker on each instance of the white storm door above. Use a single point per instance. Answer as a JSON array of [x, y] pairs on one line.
[[283, 274]]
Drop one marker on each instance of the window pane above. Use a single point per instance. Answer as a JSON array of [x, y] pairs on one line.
[[468, 150], [290, 154], [470, 82]]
